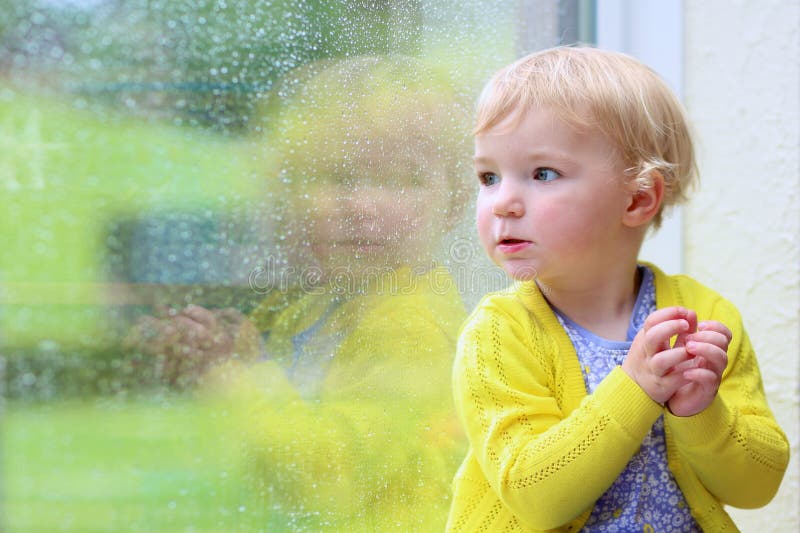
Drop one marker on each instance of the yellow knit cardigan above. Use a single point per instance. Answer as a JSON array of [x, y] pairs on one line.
[[542, 450], [374, 447]]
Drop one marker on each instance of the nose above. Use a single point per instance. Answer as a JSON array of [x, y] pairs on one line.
[[508, 200], [361, 205]]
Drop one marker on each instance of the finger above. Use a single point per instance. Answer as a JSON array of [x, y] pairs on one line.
[[169, 338], [705, 378], [664, 314], [229, 315], [710, 337], [666, 386], [713, 325], [692, 363], [192, 334], [200, 315], [657, 337], [663, 362], [715, 356], [691, 318], [199, 337]]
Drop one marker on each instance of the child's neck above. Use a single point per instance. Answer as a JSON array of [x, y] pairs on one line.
[[603, 307]]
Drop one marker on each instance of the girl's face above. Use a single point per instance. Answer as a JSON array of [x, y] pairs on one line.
[[552, 199], [362, 210]]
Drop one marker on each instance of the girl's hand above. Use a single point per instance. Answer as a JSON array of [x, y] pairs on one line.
[[708, 349], [185, 343], [651, 359]]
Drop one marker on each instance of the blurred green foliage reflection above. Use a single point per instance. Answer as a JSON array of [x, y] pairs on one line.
[[134, 180]]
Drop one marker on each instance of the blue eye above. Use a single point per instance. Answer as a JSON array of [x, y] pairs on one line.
[[488, 178], [545, 174]]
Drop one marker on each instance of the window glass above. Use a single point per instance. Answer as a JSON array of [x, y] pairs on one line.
[[236, 251]]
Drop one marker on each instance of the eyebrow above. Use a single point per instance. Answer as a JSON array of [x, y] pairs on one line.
[[561, 157]]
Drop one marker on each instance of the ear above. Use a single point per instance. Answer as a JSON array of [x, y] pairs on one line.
[[644, 202]]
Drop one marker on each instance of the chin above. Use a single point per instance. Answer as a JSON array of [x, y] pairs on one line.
[[522, 273]]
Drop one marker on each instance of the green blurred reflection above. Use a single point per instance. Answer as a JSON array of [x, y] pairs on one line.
[[337, 383], [150, 159]]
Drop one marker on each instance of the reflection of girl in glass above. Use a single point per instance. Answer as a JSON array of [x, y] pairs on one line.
[[346, 415]]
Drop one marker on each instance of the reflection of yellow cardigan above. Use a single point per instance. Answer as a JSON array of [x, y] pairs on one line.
[[542, 450], [375, 444]]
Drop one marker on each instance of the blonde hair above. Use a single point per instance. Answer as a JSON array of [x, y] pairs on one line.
[[403, 109], [610, 91]]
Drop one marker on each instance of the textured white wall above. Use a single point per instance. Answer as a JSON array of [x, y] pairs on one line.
[[742, 88]]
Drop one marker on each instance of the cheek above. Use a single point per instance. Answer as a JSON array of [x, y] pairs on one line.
[[577, 226], [562, 225], [483, 220]]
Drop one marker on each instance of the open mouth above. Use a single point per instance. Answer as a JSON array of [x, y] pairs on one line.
[[512, 245]]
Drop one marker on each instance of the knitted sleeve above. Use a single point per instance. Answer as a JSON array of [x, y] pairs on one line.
[[380, 443], [546, 464], [735, 446]]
